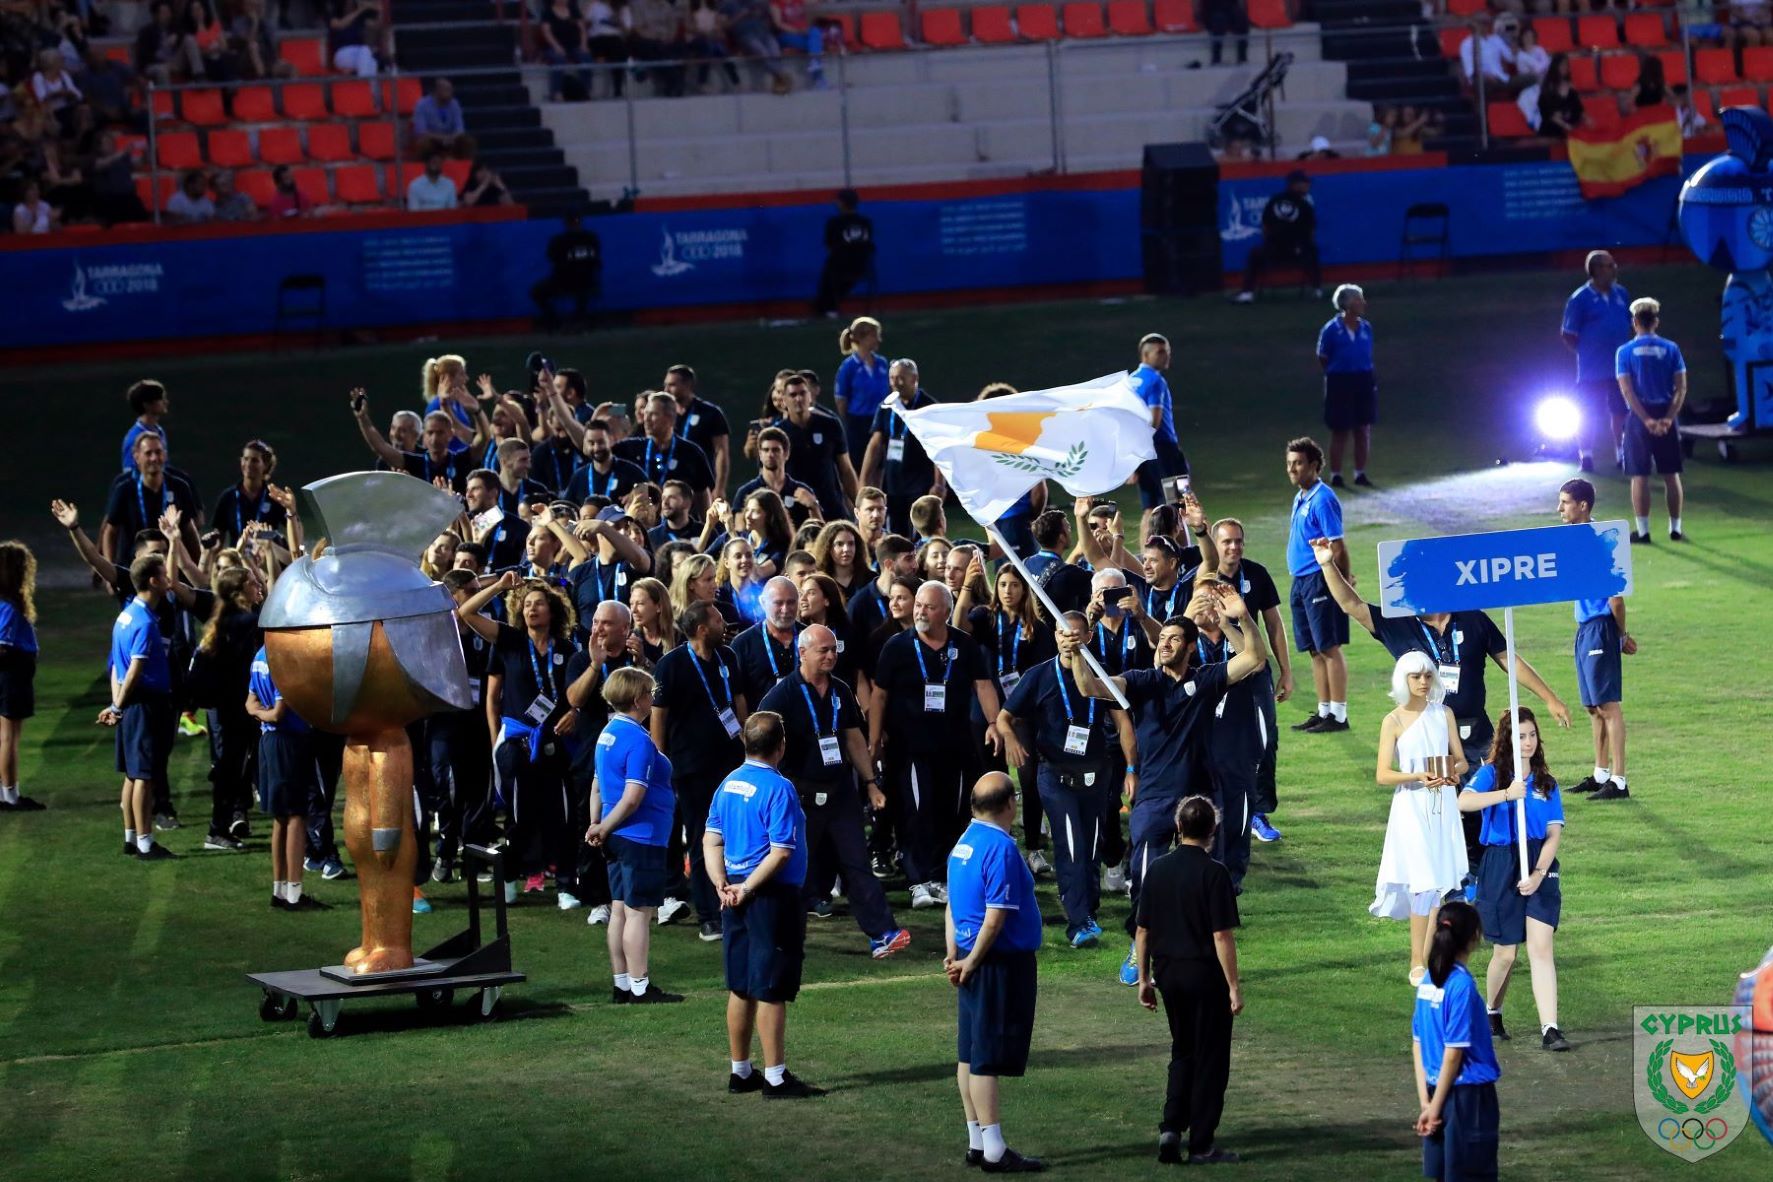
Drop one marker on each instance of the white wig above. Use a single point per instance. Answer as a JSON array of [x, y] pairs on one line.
[[1415, 662], [1342, 295]]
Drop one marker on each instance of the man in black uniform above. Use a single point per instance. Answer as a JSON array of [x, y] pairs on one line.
[[701, 422], [459, 749], [1289, 236], [826, 755], [895, 557], [576, 256], [849, 253], [766, 650], [895, 461], [582, 873], [606, 475], [664, 455], [1066, 584], [818, 451]]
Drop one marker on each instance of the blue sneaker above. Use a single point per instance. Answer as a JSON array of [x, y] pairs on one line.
[[883, 946], [1471, 889], [420, 904], [1262, 829], [1087, 935], [1129, 969], [332, 869], [312, 865]]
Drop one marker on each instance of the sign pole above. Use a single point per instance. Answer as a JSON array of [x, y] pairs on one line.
[[1040, 593], [1514, 720]]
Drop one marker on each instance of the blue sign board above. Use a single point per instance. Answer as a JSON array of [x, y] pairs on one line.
[[1509, 568]]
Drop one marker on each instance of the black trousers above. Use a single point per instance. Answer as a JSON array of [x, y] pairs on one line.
[[1113, 847], [836, 278], [1233, 790], [233, 767], [536, 797], [329, 754], [459, 754], [932, 796], [1198, 1005], [695, 793], [1264, 800], [578, 292], [1267, 254], [836, 848]]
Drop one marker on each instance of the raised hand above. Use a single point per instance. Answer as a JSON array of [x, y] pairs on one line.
[[488, 391], [66, 513], [360, 401], [1323, 550]]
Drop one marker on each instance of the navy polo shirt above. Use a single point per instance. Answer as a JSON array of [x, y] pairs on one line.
[[1238, 741], [678, 459], [615, 484], [702, 423], [507, 543], [527, 492], [595, 581], [1121, 650], [1470, 640], [553, 462], [906, 666], [756, 810], [136, 637], [1252, 580], [1344, 351], [808, 716], [813, 452], [1171, 719], [454, 468], [763, 662], [1600, 323], [797, 512], [1652, 363], [234, 508], [1048, 697], [1317, 513], [986, 873], [1154, 391], [527, 671], [133, 507], [695, 692], [1003, 646], [913, 474]]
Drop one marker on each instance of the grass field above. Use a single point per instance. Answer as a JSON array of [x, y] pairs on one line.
[[129, 1042]]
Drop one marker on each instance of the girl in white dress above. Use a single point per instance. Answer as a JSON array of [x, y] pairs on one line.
[[1424, 854]]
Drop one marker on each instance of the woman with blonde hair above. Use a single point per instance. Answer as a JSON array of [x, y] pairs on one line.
[[221, 673], [1424, 857], [838, 551], [445, 383], [694, 579], [654, 630], [740, 594], [440, 555], [863, 382], [18, 665]]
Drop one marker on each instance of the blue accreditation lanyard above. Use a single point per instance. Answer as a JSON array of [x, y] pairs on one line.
[[141, 502], [1169, 604], [947, 667], [652, 451], [560, 478], [1128, 642], [609, 480], [1434, 642], [1015, 645], [1222, 653], [726, 681], [544, 685], [449, 468], [814, 711], [258, 510], [769, 650], [1065, 695]]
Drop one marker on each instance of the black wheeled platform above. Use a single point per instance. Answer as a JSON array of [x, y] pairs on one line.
[[461, 963], [1716, 433]]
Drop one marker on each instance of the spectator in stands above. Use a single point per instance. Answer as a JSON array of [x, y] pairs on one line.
[[1406, 137], [793, 30], [1319, 149], [707, 41], [113, 187], [64, 185], [1531, 57], [163, 52], [1560, 107], [849, 253], [254, 43], [1289, 235], [202, 27], [287, 201], [609, 22], [1485, 52], [54, 89], [231, 205], [32, 214], [1380, 130], [348, 36], [658, 38], [748, 23], [433, 190], [190, 205], [1652, 83], [1750, 22], [1692, 122], [485, 187], [565, 38], [1520, 74], [109, 86], [438, 124], [1227, 16]]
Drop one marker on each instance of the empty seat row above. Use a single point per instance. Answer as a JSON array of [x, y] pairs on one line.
[[353, 184], [229, 148], [305, 101], [996, 24]]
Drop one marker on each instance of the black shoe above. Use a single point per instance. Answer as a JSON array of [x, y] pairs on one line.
[[619, 996], [1587, 464], [1169, 1148], [882, 867], [975, 1157], [1496, 1029], [1336, 481], [1674, 535], [1214, 1157], [751, 1083], [709, 933], [1554, 1040], [279, 903], [820, 910], [792, 1087], [156, 853], [1332, 725], [224, 843], [25, 804], [1013, 1163], [1312, 723], [1361, 480], [239, 828], [1588, 784], [1613, 791], [1638, 539], [309, 903], [129, 850], [654, 996]]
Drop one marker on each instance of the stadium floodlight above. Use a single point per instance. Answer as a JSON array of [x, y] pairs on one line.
[[1557, 419]]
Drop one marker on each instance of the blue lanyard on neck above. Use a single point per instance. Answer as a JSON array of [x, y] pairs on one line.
[[1434, 642], [1127, 640], [1015, 645], [1169, 604], [726, 680], [543, 685], [947, 667], [652, 450], [1200, 646], [1065, 696], [141, 502], [609, 480], [258, 509], [683, 423], [769, 649], [813, 710]]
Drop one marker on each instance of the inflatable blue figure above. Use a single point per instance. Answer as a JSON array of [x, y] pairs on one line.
[[1727, 218]]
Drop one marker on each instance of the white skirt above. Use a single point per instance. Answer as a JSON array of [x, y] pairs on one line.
[[1424, 851]]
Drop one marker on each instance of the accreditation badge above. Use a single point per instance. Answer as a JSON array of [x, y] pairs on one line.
[[935, 699], [828, 751], [1077, 740], [895, 451], [1449, 678], [538, 710], [1009, 681], [731, 722]]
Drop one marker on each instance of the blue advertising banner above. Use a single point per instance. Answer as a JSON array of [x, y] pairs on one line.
[[1509, 568]]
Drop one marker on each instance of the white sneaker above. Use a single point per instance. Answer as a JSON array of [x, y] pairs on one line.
[[670, 909], [1245, 297], [921, 897], [599, 914], [568, 901], [1115, 878], [1038, 864], [939, 891]]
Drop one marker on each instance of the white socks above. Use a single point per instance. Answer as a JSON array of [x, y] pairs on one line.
[[9, 795], [624, 982], [1619, 780], [773, 1076], [637, 986], [144, 842], [1643, 524], [292, 892], [1323, 709], [1674, 527], [992, 1138], [975, 1138], [277, 890], [1602, 774], [742, 1068], [1339, 711], [129, 837]]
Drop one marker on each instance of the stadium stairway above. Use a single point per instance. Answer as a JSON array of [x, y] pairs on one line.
[[451, 37], [952, 114], [1393, 59]]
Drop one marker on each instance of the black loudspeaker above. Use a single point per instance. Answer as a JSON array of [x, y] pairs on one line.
[[1179, 219]]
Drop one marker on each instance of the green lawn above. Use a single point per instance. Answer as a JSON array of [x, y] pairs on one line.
[[129, 1041]]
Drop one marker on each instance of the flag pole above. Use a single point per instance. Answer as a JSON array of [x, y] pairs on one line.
[[1514, 720], [1040, 593]]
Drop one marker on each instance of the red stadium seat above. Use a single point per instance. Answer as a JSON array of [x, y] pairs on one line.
[[1738, 96], [144, 188], [375, 141], [457, 171], [1451, 39], [121, 54], [1674, 67], [1645, 30], [306, 101], [1703, 104], [991, 25], [177, 149], [1037, 22], [1584, 74], [1175, 16], [882, 30], [1466, 7], [1602, 111], [359, 184], [330, 142], [1757, 63], [1127, 18], [311, 184], [135, 145], [163, 104], [306, 54], [229, 149], [1714, 66], [202, 108], [255, 104], [257, 184], [1597, 32], [355, 100], [1270, 14], [1083, 19], [1619, 71], [1507, 122], [941, 26], [281, 145], [840, 29], [1554, 34], [403, 94]]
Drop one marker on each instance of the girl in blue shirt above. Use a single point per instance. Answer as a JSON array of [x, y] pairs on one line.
[[1456, 1070], [18, 666], [1514, 909], [862, 382]]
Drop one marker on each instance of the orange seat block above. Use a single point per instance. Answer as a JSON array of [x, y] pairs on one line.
[[1175, 16], [255, 104], [882, 30], [203, 108], [281, 145], [311, 184], [305, 101], [306, 54], [177, 149], [1270, 14], [1127, 18], [375, 141], [257, 184], [991, 25], [359, 184]]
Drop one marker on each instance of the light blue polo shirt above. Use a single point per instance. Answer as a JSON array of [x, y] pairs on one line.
[[1153, 390], [1453, 1015], [1600, 323], [985, 872], [756, 810], [1317, 513], [1652, 363], [625, 755]]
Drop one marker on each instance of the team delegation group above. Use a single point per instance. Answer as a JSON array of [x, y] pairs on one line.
[[741, 708]]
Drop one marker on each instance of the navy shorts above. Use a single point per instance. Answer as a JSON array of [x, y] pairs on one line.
[[1350, 400], [1602, 398], [765, 943], [636, 873], [1170, 461], [18, 684], [1465, 1148], [1502, 907], [1599, 679], [997, 1014], [1318, 624], [1644, 451], [289, 779], [144, 737]]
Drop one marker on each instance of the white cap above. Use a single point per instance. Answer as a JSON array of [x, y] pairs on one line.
[[1320, 143]]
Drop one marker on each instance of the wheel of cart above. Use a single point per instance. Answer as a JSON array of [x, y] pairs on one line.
[[488, 1009], [323, 1017], [435, 1000], [277, 1007]]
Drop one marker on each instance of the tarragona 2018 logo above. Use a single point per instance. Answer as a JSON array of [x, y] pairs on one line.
[[1688, 1084]]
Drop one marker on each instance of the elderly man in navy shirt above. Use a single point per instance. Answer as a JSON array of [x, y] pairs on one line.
[[1597, 320]]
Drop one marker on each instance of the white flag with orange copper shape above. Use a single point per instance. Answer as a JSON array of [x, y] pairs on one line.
[[1089, 437]]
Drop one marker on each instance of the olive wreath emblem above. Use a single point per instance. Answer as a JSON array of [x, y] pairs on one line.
[[1653, 1073], [1063, 470]]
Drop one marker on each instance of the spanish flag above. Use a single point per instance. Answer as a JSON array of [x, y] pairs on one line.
[[1610, 160]]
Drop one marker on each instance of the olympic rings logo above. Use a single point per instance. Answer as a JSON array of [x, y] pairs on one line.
[[1702, 1135]]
